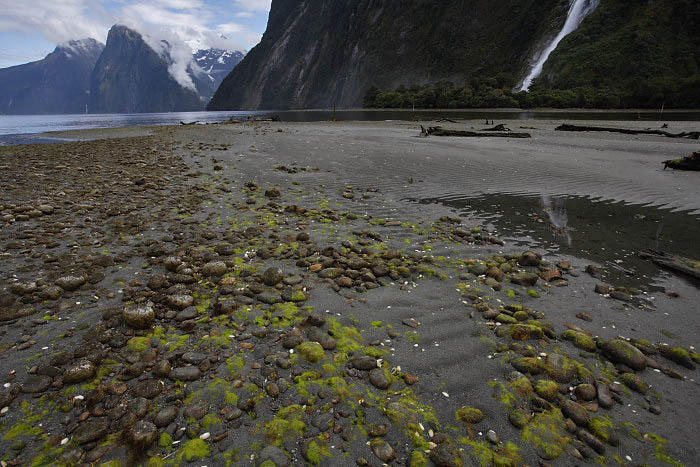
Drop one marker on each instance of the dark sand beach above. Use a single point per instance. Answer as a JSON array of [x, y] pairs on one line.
[[347, 293]]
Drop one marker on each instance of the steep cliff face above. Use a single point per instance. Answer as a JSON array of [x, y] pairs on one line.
[[319, 53], [641, 53], [131, 77], [58, 84]]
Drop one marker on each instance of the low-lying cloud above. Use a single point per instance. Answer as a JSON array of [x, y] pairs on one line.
[[186, 25]]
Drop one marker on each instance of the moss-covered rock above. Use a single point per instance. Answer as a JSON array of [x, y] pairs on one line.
[[470, 415], [312, 351], [547, 389], [580, 340]]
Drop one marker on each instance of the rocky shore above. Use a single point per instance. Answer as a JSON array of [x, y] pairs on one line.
[[222, 296]]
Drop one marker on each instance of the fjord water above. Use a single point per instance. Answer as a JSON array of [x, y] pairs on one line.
[[24, 129], [28, 129], [577, 13]]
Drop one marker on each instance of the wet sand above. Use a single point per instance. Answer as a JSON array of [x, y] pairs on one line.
[[388, 203]]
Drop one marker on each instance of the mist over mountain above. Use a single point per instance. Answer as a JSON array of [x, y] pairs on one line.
[[59, 83], [132, 73], [130, 77]]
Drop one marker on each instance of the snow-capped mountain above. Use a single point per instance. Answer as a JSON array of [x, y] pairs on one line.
[[209, 67]]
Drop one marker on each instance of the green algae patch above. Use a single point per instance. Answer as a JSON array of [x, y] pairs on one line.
[[580, 340], [547, 389], [286, 423], [418, 459], [166, 441], [547, 431], [469, 415], [601, 427], [312, 351], [507, 455], [194, 449], [138, 344], [317, 451], [660, 452]]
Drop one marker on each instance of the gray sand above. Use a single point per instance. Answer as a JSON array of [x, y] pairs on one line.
[[386, 165]]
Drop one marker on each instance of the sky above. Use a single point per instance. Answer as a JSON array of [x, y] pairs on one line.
[[31, 29]]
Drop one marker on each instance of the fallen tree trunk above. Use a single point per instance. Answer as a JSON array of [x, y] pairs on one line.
[[439, 131], [499, 127], [692, 162], [676, 263], [626, 131]]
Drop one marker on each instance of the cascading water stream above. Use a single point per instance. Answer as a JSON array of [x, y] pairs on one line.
[[577, 13]]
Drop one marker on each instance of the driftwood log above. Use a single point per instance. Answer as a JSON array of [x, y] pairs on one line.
[[692, 162], [499, 127], [626, 131], [676, 263], [439, 131]]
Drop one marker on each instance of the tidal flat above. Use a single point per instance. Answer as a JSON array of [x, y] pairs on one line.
[[275, 293]]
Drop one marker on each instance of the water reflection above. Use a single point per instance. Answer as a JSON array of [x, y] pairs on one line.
[[556, 211], [608, 233]]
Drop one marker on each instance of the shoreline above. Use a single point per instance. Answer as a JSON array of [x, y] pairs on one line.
[[132, 243]]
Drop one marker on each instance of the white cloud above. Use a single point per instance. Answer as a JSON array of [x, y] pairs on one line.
[[185, 24], [58, 21], [254, 5]]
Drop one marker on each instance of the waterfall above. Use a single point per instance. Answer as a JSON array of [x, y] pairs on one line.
[[577, 13]]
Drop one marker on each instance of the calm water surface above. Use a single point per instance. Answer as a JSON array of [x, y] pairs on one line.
[[23, 129]]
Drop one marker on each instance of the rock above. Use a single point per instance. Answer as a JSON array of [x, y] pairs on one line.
[[291, 342], [139, 316], [149, 389], [526, 279], [379, 379], [315, 334], [186, 314], [446, 455], [214, 269], [142, 435], [470, 415], [605, 399], [269, 297], [550, 275], [185, 373], [622, 296], [275, 455], [172, 263], [272, 193], [180, 302], [273, 276], [165, 416], [70, 283], [529, 258], [24, 288], [382, 450], [365, 363], [80, 371], [492, 437], [13, 314], [619, 351], [603, 289], [590, 440], [196, 412], [162, 368], [519, 418], [194, 358], [635, 382], [585, 392], [575, 412], [89, 431], [52, 292], [35, 384]]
